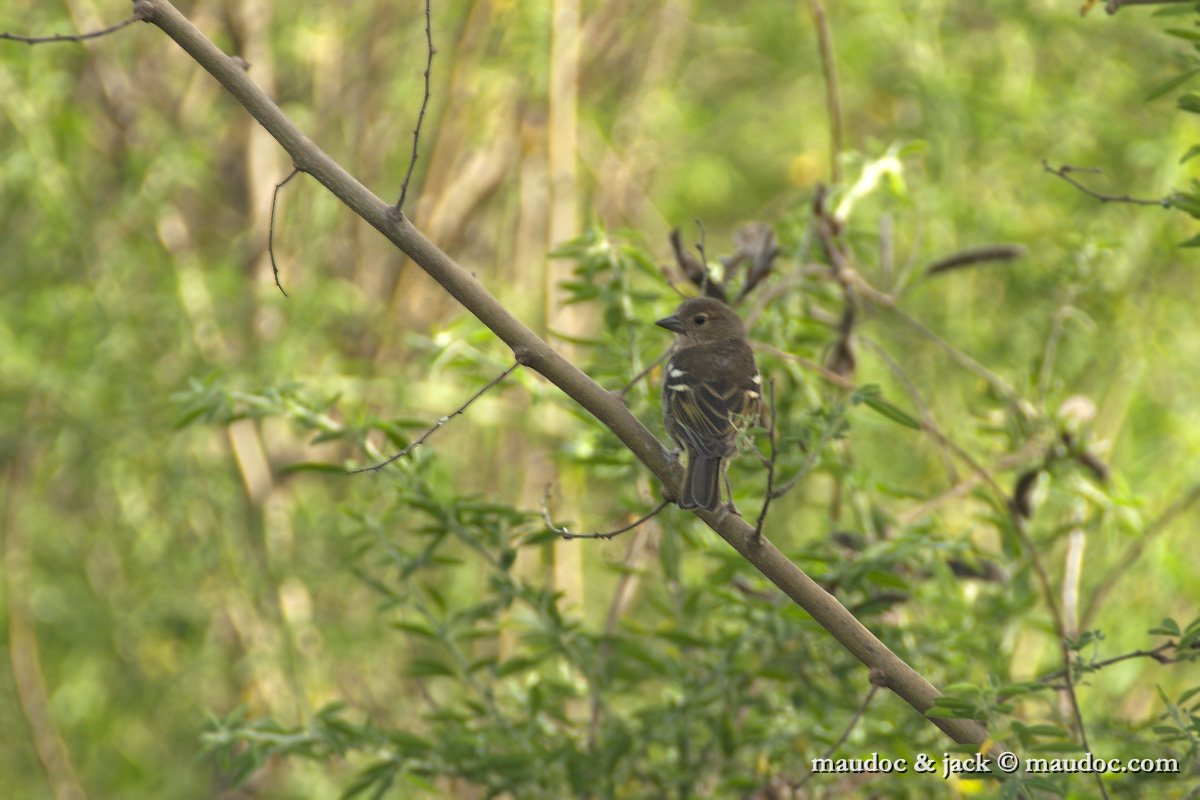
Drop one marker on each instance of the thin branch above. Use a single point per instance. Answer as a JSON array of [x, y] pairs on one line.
[[887, 251], [69, 37], [1156, 653], [533, 352], [862, 709], [412, 161], [1065, 171], [998, 384], [271, 230], [628, 578], [24, 655], [833, 97], [704, 261], [1028, 452], [1113, 6], [440, 423], [771, 432], [566, 534], [1069, 688], [754, 244], [927, 420], [641, 375], [814, 452], [1134, 551], [1050, 352], [827, 375], [693, 270]]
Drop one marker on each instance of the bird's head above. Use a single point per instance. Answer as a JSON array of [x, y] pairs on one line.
[[702, 320]]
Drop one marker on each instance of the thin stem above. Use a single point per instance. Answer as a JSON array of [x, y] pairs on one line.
[[1070, 690], [412, 160], [641, 375], [567, 534], [1156, 653], [833, 96], [771, 432], [1113, 6], [1065, 171], [862, 709], [439, 424], [271, 229], [69, 37], [1134, 551]]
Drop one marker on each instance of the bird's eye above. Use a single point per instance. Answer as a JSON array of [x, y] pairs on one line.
[[700, 319]]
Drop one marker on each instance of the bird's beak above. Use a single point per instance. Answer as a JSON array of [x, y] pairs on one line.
[[671, 323]]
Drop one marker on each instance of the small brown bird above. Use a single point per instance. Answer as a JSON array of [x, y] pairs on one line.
[[711, 391]]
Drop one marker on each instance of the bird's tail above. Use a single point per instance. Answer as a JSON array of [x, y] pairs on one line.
[[702, 483]]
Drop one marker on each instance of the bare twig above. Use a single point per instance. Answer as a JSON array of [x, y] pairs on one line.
[[927, 420], [1113, 6], [1069, 688], [566, 534], [772, 434], [827, 375], [69, 37], [887, 253], [412, 161], [754, 244], [440, 423], [700, 248], [976, 255], [998, 384], [1159, 654], [1065, 171], [832, 94], [814, 452], [693, 269], [24, 655], [862, 709], [1050, 352], [641, 375], [961, 489], [1134, 551], [271, 230], [641, 544]]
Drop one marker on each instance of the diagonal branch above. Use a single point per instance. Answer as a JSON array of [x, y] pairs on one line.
[[1065, 171], [437, 426], [565, 533], [69, 37], [887, 669]]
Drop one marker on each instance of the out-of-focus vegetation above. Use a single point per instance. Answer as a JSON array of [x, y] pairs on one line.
[[197, 602]]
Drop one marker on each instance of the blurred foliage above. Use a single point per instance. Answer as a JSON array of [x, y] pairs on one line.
[[197, 602]]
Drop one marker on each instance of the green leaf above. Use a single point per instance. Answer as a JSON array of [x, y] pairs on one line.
[[1183, 33], [1170, 85], [428, 668], [418, 629], [891, 412], [1177, 11], [1191, 153], [313, 466], [1192, 242], [1190, 103]]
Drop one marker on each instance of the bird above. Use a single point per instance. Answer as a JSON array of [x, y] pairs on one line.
[[712, 390]]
